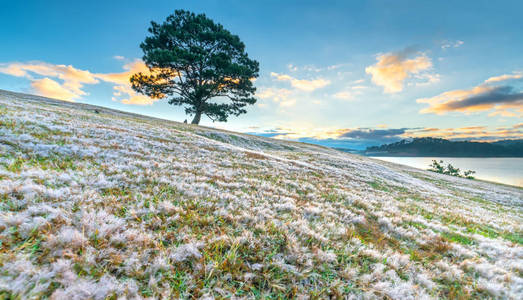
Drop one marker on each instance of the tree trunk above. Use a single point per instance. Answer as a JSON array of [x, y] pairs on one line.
[[197, 118]]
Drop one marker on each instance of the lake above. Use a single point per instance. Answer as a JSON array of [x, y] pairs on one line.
[[505, 170]]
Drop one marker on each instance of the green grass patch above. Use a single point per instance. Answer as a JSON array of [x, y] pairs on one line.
[[377, 185], [458, 238], [515, 237]]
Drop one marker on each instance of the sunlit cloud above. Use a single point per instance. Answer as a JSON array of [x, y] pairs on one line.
[[67, 83], [501, 100], [344, 95], [280, 96], [73, 80], [392, 69], [122, 89], [504, 77], [362, 137], [302, 84], [502, 113], [50, 88], [479, 133]]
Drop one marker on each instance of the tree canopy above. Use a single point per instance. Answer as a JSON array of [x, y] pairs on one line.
[[193, 60]]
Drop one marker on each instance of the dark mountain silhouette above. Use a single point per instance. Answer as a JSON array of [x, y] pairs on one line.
[[445, 148]]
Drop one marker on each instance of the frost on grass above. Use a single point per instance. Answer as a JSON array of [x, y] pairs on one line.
[[96, 206]]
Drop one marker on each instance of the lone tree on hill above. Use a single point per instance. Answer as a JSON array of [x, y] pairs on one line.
[[193, 60]]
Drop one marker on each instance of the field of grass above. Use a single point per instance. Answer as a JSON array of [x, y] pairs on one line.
[[100, 204]]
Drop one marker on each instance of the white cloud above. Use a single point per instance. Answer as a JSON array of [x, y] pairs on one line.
[[344, 95], [428, 79], [448, 44], [302, 84], [280, 96]]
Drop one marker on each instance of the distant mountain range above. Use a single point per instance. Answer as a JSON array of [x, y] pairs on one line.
[[445, 148]]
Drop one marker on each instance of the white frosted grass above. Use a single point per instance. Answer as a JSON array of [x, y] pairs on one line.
[[135, 200]]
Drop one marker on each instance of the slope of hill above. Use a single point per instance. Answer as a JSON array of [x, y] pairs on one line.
[[96, 204], [440, 147]]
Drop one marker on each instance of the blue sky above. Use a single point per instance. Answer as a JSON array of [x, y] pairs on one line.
[[342, 73]]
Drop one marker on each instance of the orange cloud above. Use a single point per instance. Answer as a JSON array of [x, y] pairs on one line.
[[73, 80], [381, 133], [302, 84], [123, 91], [502, 113], [484, 97], [468, 133], [504, 77], [50, 88], [392, 69], [464, 133]]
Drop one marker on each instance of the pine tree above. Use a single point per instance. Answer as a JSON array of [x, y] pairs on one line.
[[198, 64]]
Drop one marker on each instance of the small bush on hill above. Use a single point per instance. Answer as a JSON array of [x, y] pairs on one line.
[[439, 167]]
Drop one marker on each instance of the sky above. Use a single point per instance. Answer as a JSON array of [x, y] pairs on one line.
[[347, 74]]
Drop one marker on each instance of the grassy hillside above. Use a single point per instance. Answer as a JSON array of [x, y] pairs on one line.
[[100, 204]]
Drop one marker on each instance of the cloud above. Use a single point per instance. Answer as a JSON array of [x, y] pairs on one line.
[[504, 77], [392, 69], [354, 138], [122, 89], [484, 100], [505, 100], [447, 44], [479, 133], [50, 88], [72, 79], [344, 95], [360, 138], [312, 68], [118, 57], [302, 84], [373, 134], [503, 113], [70, 86], [427, 79], [351, 92], [280, 96]]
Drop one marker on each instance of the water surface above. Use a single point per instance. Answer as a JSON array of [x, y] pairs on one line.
[[507, 170]]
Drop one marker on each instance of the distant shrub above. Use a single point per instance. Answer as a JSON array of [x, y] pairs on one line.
[[439, 167]]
